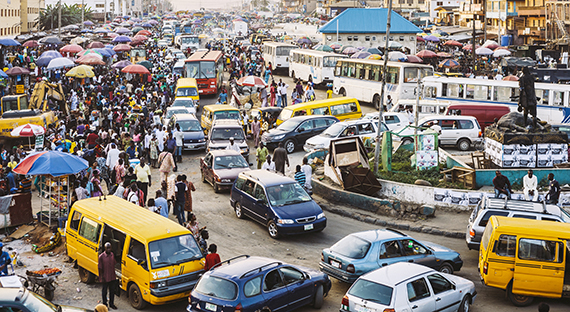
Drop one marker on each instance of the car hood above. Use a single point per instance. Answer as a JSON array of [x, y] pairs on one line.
[[275, 132], [437, 248], [300, 210], [193, 135], [223, 143], [73, 309], [319, 140], [229, 173]]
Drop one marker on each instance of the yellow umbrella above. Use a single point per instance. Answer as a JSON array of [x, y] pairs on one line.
[[436, 34], [374, 57], [203, 36], [422, 34], [81, 71], [287, 37], [79, 40]]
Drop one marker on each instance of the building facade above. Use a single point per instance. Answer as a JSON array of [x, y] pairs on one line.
[[19, 16], [558, 21]]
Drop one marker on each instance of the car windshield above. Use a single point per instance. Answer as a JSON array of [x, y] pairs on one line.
[[171, 112], [183, 103], [288, 125], [565, 216], [227, 133], [333, 131], [173, 250], [201, 70], [187, 40], [186, 92], [230, 162], [226, 115], [189, 125], [217, 287], [371, 291], [285, 114], [37, 303], [351, 246], [287, 194]]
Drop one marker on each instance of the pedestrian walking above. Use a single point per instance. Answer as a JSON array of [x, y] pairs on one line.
[[300, 176], [553, 190], [180, 190], [261, 154], [280, 158], [107, 275], [144, 180], [268, 164], [308, 171], [212, 258], [165, 164], [188, 203], [161, 202], [255, 130]]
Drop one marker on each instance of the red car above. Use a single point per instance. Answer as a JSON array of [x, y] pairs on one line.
[[221, 167]]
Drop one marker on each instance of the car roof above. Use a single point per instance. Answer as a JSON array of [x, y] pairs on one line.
[[446, 117], [267, 177], [521, 206], [185, 116], [224, 152], [238, 268], [307, 117], [226, 123], [379, 234], [357, 121], [396, 273]]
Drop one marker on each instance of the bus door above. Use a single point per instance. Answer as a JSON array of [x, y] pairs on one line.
[[539, 267]]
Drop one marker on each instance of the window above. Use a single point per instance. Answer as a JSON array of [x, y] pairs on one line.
[[291, 275], [391, 119], [506, 245], [137, 250], [392, 75], [488, 215], [307, 125], [349, 38], [90, 229], [439, 284], [98, 5], [366, 289], [417, 290], [320, 111], [343, 109], [355, 38], [390, 250], [75, 220], [412, 248], [524, 216], [351, 247], [466, 124], [252, 287], [273, 281], [320, 123], [538, 250], [365, 128], [401, 38], [373, 38], [367, 38], [260, 194]]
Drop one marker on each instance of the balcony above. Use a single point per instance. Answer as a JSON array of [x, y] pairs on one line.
[[534, 32], [531, 11]]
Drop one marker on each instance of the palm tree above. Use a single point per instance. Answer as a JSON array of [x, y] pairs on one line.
[[70, 14]]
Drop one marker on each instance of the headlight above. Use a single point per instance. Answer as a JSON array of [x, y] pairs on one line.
[[202, 140], [285, 221], [157, 284], [278, 137], [321, 215], [226, 180]]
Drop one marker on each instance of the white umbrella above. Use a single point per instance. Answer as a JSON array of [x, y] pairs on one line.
[[60, 62], [397, 56], [394, 45], [251, 81], [501, 52], [28, 130], [483, 51]]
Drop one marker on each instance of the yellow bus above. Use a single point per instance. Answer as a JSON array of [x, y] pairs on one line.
[[187, 88], [218, 111], [157, 260], [527, 258], [342, 108]]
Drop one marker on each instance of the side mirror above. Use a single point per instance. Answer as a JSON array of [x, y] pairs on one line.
[[261, 202], [141, 262], [301, 130]]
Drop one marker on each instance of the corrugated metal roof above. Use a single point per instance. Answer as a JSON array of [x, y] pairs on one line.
[[371, 20]]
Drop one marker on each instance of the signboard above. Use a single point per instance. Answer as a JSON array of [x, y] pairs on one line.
[[20, 89], [39, 142], [426, 151]]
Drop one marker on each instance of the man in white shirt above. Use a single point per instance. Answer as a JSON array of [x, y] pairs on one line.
[[112, 156], [530, 183], [308, 171], [232, 146], [268, 164], [179, 137]]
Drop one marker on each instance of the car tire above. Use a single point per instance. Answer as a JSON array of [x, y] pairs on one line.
[[135, 297], [518, 300], [342, 92], [239, 211], [85, 276], [446, 268], [465, 305], [49, 293], [272, 229], [376, 101], [289, 146], [216, 187], [407, 141], [319, 297], [463, 145]]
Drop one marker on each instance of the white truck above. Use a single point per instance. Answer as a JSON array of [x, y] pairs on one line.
[[183, 42], [240, 28]]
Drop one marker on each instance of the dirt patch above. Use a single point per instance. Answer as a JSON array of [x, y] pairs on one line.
[[40, 236]]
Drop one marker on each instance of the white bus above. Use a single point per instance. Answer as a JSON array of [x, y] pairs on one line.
[[553, 106], [277, 53], [362, 79], [317, 66]]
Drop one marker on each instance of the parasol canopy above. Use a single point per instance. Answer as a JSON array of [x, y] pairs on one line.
[[27, 130], [95, 44], [9, 42], [135, 69], [414, 59], [251, 81], [60, 62], [121, 64], [16, 71], [426, 54], [449, 63], [81, 71], [53, 163], [31, 44], [511, 78], [71, 48]]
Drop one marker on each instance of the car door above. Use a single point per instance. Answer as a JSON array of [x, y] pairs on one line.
[[366, 131], [259, 205], [207, 167], [417, 253], [275, 292], [419, 296], [446, 297], [320, 125], [468, 129], [299, 287], [449, 132], [135, 265], [304, 131], [390, 252], [247, 200], [393, 122]]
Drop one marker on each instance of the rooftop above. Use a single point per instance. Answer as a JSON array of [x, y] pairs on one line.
[[371, 20], [395, 273]]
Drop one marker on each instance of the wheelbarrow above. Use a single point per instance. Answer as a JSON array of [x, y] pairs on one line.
[[34, 282]]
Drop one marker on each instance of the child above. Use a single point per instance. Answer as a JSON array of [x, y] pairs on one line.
[[204, 235], [152, 206], [329, 92], [212, 258]]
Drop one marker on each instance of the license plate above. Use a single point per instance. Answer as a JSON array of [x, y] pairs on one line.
[[359, 308], [211, 307], [308, 227], [336, 264]]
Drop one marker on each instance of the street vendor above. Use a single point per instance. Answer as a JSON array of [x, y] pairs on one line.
[[4, 260]]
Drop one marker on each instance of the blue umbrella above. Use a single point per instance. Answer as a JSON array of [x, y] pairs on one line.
[[88, 23], [109, 46], [122, 39], [47, 57], [9, 42], [3, 74], [86, 30], [110, 50], [53, 163], [51, 53], [103, 52], [147, 25]]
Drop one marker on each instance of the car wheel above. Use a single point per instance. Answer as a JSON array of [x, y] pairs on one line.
[[272, 229], [407, 141], [290, 146], [342, 92], [216, 187], [376, 101], [135, 297], [86, 276], [49, 293], [465, 304], [446, 268], [518, 300], [463, 145], [238, 211], [319, 296]]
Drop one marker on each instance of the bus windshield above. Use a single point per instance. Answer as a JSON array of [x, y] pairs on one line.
[[186, 40], [201, 70], [411, 73], [330, 61], [284, 51]]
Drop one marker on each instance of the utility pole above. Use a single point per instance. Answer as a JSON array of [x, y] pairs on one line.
[[59, 20], [105, 13], [82, 14], [485, 19], [379, 131], [473, 43]]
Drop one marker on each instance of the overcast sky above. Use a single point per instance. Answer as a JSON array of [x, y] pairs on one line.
[[207, 4]]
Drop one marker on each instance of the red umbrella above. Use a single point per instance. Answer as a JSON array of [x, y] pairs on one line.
[[469, 47], [144, 32], [444, 54], [420, 39], [71, 48], [121, 47], [426, 54], [16, 71], [90, 59], [414, 59], [251, 81], [135, 69], [140, 38], [31, 44], [95, 45], [511, 78], [453, 43], [28, 130]]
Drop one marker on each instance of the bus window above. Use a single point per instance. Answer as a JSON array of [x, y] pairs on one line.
[[376, 73], [351, 70], [410, 74], [392, 75], [430, 92], [337, 69], [360, 71], [425, 72], [481, 93], [367, 69], [538, 250], [329, 61], [453, 90], [506, 246], [502, 94], [558, 98], [344, 69], [546, 97], [309, 60], [470, 91], [320, 111]]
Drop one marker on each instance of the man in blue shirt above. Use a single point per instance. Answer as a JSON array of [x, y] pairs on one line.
[[11, 181], [4, 260], [161, 202]]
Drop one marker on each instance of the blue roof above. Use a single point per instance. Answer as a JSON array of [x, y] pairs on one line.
[[368, 21]]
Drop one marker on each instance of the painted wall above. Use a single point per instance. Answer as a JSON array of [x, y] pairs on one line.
[[374, 40], [485, 176]]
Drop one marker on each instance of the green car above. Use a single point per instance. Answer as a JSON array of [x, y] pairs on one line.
[[21, 299]]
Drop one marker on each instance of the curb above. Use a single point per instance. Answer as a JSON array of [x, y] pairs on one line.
[[351, 199]]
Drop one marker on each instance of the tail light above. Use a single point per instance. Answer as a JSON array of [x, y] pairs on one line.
[[238, 308], [350, 268], [485, 267], [472, 233], [344, 303], [322, 257], [480, 134], [389, 310]]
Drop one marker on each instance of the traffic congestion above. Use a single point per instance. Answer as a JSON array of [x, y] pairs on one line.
[[197, 139]]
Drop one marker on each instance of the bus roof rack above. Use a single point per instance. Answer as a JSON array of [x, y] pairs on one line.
[[229, 260]]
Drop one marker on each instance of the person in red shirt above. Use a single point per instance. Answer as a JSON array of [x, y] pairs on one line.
[[212, 258], [107, 275], [92, 140]]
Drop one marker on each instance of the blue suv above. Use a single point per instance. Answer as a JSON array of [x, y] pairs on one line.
[[277, 202], [248, 284]]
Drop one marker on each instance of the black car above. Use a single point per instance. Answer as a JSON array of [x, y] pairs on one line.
[[295, 131]]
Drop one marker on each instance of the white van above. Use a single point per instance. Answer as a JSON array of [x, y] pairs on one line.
[[178, 68]]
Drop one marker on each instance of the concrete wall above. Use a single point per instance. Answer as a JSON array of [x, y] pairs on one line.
[[485, 176], [10, 18], [375, 40]]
